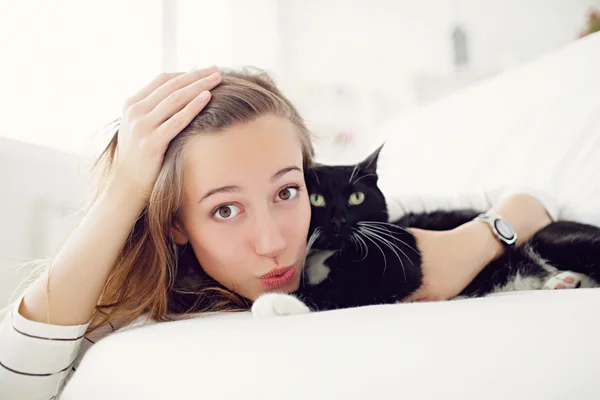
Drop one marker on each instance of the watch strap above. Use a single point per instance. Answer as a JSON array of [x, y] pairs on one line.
[[500, 227]]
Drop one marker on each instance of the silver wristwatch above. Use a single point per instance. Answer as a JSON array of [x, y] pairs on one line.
[[501, 228]]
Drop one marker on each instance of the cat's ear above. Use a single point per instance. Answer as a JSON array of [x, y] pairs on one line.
[[369, 164]]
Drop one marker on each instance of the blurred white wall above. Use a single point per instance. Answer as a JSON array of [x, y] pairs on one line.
[[41, 191], [353, 65], [68, 65]]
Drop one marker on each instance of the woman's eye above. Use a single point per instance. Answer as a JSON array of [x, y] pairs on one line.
[[287, 194], [227, 212]]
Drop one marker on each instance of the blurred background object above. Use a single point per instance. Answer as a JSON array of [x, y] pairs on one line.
[[593, 23], [351, 66]]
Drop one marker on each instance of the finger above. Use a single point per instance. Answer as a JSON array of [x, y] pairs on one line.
[[180, 99], [174, 125], [416, 296], [150, 87], [168, 88], [411, 298]]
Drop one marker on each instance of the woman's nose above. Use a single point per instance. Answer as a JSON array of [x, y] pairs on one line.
[[269, 240]]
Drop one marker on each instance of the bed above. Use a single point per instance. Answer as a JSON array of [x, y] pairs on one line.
[[538, 125]]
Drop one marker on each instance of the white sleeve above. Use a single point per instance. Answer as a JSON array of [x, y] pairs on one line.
[[479, 201], [35, 358]]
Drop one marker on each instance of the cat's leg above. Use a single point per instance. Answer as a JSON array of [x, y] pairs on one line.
[[570, 246], [309, 298], [506, 273]]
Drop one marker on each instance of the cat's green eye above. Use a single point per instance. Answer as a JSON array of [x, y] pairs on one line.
[[317, 200], [356, 198]]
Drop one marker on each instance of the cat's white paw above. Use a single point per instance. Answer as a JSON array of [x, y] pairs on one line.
[[565, 280], [275, 304]]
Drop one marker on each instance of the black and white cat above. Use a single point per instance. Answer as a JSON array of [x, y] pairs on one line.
[[358, 258]]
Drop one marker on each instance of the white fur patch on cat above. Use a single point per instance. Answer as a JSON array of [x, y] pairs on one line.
[[316, 270], [277, 304], [519, 283]]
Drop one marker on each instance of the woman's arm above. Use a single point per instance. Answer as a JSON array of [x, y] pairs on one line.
[[42, 335], [80, 270], [452, 259]]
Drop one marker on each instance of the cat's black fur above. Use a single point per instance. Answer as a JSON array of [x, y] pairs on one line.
[[390, 273]]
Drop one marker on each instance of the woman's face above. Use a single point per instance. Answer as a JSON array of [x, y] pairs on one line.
[[246, 212]]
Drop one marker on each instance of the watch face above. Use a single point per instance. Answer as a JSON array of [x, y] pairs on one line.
[[504, 229]]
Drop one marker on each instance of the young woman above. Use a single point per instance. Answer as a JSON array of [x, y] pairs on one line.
[[206, 170]]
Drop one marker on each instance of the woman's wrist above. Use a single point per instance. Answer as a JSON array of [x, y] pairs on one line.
[[525, 213], [484, 245], [119, 192]]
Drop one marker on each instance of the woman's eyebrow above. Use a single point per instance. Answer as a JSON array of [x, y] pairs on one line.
[[236, 189], [222, 189], [284, 171]]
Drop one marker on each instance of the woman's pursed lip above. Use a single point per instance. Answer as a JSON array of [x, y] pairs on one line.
[[276, 272]]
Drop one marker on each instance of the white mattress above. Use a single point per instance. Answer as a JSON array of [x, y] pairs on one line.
[[539, 126]]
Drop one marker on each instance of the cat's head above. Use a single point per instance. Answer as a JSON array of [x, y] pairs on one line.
[[340, 197]]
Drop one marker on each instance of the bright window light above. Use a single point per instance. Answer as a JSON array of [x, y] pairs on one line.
[[67, 66]]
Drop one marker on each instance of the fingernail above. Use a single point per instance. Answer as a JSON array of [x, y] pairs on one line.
[[214, 76], [204, 95]]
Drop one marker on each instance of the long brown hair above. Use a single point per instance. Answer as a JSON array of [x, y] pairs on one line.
[[143, 279]]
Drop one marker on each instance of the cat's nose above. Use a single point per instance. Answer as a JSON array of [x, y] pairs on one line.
[[337, 223]]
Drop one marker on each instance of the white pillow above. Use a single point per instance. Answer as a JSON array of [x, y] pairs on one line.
[[537, 126]]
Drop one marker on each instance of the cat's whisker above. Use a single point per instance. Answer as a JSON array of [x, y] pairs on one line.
[[386, 232], [360, 244], [386, 224], [390, 245], [353, 173], [363, 246], [383, 226], [316, 176], [357, 244], [363, 176], [395, 239], [311, 241], [367, 236], [354, 242]]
